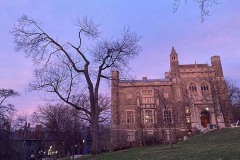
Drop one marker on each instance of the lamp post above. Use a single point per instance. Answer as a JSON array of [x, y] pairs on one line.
[[83, 147]]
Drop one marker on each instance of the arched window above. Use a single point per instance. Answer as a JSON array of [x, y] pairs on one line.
[[192, 87], [204, 86]]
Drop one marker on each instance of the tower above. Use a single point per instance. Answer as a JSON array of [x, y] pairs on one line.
[[115, 113], [217, 66], [174, 64], [177, 88], [114, 99], [221, 90]]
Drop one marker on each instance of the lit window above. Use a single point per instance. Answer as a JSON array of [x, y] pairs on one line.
[[130, 136], [188, 119], [167, 115], [148, 116], [187, 110], [130, 117]]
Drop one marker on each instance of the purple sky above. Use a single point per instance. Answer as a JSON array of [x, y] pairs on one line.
[[154, 21]]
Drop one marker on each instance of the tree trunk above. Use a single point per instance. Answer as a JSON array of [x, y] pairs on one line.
[[170, 136], [95, 135], [216, 119]]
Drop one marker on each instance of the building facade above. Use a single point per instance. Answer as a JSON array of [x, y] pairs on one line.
[[35, 142], [191, 98]]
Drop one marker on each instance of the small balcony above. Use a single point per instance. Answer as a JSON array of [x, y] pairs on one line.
[[148, 105]]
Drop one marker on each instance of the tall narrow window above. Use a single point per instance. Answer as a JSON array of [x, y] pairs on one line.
[[130, 119], [178, 92], [192, 87], [130, 136], [147, 96], [167, 116], [204, 86], [147, 100]]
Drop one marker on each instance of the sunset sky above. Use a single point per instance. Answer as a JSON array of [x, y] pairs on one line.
[[154, 21]]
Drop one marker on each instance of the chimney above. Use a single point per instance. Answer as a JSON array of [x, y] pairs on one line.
[[38, 127], [144, 78], [167, 75], [25, 125]]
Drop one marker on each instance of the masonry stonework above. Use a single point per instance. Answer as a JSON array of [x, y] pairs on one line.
[[191, 98]]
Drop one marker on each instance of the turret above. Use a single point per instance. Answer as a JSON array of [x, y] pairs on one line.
[[217, 66], [174, 64], [221, 89], [115, 120]]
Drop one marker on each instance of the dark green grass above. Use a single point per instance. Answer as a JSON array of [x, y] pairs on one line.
[[217, 145]]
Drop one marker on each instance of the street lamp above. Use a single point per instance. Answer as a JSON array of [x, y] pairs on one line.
[[83, 146]]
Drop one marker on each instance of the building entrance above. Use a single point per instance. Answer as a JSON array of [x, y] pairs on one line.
[[205, 118]]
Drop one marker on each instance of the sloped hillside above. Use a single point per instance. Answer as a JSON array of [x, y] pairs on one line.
[[216, 145]]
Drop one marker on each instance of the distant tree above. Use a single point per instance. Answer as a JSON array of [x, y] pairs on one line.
[[234, 96], [203, 6], [63, 122], [6, 109], [67, 69], [19, 121], [7, 149], [105, 137], [233, 93]]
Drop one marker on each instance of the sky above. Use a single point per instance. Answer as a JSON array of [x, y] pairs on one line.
[[154, 21]]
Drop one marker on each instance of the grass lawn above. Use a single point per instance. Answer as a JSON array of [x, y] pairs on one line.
[[217, 145]]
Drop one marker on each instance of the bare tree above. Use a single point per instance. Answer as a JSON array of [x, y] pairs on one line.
[[19, 121], [234, 96], [163, 95], [86, 69], [7, 151], [203, 6], [6, 109], [233, 93], [64, 123]]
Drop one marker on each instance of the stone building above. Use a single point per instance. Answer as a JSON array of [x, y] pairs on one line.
[[191, 98]]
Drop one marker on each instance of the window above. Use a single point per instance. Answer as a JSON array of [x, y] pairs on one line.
[[130, 136], [148, 116], [204, 86], [187, 110], [149, 132], [130, 117], [168, 134], [188, 119], [147, 96], [167, 115], [147, 93], [178, 92], [147, 100], [192, 87]]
